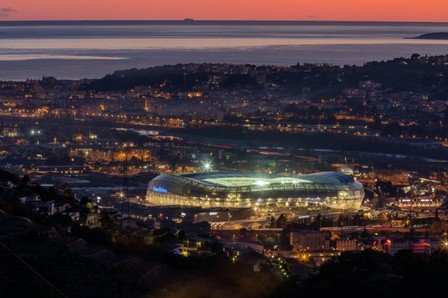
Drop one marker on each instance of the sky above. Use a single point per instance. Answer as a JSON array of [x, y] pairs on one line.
[[343, 10]]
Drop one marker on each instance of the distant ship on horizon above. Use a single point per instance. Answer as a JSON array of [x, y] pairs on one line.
[[188, 20]]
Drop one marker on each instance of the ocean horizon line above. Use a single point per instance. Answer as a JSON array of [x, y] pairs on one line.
[[192, 21]]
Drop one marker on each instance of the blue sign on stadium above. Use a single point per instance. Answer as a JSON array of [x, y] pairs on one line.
[[159, 189]]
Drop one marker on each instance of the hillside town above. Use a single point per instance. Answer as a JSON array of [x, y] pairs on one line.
[[76, 157]]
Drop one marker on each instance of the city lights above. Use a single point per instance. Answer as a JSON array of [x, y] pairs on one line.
[[142, 166]]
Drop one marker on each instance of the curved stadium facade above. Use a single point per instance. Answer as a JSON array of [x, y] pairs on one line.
[[259, 191]]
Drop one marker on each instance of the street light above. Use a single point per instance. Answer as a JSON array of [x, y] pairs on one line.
[[445, 245]]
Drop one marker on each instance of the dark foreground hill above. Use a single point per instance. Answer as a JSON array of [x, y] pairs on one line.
[[52, 256]]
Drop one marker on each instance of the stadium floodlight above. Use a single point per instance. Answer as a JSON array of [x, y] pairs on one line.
[[207, 166]]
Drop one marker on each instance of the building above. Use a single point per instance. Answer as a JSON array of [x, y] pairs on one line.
[[346, 244], [258, 191], [245, 246], [309, 241], [416, 246], [422, 202], [44, 207]]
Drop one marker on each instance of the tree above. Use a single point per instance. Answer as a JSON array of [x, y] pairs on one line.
[[438, 228], [281, 221], [382, 217], [181, 235], [24, 180], [93, 236], [105, 220], [415, 56], [243, 233]]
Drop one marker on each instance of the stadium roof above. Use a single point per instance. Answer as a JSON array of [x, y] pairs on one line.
[[229, 179], [256, 182]]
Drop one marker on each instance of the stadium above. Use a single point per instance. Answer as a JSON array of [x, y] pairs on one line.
[[333, 190]]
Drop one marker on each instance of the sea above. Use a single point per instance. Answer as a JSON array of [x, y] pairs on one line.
[[92, 49]]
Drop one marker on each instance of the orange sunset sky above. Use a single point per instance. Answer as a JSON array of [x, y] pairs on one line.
[[350, 10]]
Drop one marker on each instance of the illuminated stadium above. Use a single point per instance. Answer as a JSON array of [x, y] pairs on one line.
[[333, 190]]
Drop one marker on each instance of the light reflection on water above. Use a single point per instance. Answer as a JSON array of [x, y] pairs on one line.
[[198, 43], [26, 57]]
